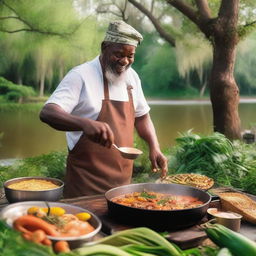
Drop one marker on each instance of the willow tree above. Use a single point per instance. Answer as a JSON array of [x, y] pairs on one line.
[[52, 34], [223, 27]]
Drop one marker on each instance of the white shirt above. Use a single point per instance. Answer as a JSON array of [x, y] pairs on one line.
[[81, 93]]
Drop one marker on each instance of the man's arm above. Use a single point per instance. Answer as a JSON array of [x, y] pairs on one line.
[[56, 117], [146, 130]]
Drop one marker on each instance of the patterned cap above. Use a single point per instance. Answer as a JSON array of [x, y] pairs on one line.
[[122, 33]]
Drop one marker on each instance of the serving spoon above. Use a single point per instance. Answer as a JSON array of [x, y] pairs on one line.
[[128, 152]]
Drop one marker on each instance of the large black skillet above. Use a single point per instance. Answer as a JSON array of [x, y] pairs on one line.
[[158, 219]]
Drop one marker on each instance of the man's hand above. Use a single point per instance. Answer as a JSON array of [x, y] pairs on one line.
[[99, 132], [159, 162]]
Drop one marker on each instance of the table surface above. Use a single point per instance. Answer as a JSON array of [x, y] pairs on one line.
[[186, 238]]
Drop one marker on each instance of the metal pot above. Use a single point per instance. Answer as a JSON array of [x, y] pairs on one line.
[[15, 195], [158, 219]]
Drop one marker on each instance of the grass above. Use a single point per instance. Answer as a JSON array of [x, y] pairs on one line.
[[26, 107]]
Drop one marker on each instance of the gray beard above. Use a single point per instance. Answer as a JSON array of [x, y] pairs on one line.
[[114, 78]]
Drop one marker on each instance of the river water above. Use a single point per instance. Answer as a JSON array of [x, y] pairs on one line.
[[24, 135]]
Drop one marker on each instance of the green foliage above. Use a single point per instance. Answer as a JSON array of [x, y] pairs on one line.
[[11, 243], [60, 38], [157, 67], [26, 108], [13, 92], [48, 165], [229, 164], [244, 69], [13, 96]]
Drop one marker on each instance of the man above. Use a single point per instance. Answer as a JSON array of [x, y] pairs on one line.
[[98, 103]]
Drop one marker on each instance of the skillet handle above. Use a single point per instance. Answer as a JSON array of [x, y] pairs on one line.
[[214, 197]]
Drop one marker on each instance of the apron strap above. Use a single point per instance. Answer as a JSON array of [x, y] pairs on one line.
[[129, 91], [106, 92]]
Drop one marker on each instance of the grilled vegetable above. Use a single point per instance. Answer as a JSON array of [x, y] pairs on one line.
[[235, 242]]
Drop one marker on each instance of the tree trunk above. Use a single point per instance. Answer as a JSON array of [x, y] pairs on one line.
[[19, 81], [202, 90], [224, 91], [42, 80]]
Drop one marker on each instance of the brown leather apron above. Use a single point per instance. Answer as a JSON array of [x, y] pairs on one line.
[[94, 169]]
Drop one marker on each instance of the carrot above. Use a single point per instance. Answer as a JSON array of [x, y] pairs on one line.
[[38, 236], [28, 223], [27, 236], [47, 242], [61, 246]]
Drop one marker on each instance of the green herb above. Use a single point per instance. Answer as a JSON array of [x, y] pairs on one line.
[[229, 163], [163, 201], [145, 194]]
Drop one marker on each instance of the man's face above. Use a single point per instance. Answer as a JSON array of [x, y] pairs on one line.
[[119, 57]]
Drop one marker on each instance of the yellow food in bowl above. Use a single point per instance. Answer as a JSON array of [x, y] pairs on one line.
[[83, 216], [33, 185], [57, 211]]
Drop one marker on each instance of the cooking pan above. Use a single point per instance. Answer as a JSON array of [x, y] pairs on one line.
[[158, 219]]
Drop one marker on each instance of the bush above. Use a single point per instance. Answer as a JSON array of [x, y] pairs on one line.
[[13, 92], [13, 96], [48, 165]]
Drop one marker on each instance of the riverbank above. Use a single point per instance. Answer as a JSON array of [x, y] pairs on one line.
[[192, 102], [8, 162]]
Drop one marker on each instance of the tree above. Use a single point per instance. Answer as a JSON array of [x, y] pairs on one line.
[[223, 27], [245, 65], [51, 35], [38, 17]]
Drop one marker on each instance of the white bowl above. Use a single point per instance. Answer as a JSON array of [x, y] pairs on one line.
[[15, 210]]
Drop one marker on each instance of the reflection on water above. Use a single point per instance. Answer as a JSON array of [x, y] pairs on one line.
[[25, 135], [171, 120]]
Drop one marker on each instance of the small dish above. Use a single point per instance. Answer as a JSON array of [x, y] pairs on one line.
[[228, 219]]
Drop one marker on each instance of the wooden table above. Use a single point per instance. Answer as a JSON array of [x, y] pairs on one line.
[[187, 238]]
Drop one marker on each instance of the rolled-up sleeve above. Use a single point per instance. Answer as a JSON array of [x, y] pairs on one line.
[[67, 93]]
